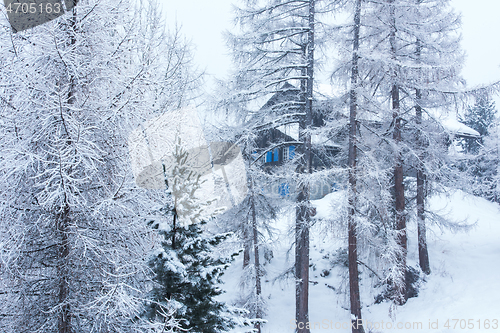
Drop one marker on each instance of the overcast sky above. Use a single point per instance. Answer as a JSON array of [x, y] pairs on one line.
[[203, 22]]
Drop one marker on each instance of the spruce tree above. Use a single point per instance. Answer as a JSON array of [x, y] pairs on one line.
[[187, 273], [482, 163], [187, 276], [489, 162], [478, 117]]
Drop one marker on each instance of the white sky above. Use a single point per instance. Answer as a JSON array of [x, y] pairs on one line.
[[204, 21]]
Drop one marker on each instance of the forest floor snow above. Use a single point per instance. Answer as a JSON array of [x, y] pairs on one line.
[[462, 293]]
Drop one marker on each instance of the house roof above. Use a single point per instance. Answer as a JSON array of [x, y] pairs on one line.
[[285, 99], [286, 94]]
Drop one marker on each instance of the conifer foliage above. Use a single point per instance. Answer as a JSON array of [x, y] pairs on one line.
[[483, 152], [187, 272], [479, 117], [186, 279], [276, 46]]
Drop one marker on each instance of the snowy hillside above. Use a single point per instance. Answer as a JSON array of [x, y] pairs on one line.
[[464, 283]]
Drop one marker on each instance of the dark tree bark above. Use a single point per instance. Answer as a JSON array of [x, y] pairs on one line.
[[303, 210], [399, 195], [352, 227], [64, 220], [302, 263], [423, 254], [400, 225], [247, 247], [258, 287], [63, 225]]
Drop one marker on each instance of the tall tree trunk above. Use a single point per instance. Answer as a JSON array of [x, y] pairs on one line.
[[423, 254], [63, 225], [64, 219], [400, 223], [352, 227], [258, 287], [302, 212], [247, 246], [302, 263]]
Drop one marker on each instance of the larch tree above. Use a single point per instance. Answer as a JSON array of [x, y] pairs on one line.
[[408, 58], [432, 74], [423, 55], [251, 220], [367, 52], [423, 254], [355, 300], [276, 46], [399, 280], [73, 239]]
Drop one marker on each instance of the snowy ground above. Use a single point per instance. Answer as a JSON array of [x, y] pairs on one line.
[[460, 295]]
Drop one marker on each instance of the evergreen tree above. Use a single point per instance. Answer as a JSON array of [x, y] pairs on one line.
[[489, 162], [478, 117], [187, 273], [187, 278], [482, 164]]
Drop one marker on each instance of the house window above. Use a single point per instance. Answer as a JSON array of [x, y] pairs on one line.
[[276, 155], [285, 154], [269, 156]]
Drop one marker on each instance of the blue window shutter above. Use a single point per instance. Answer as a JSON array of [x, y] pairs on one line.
[[291, 152], [276, 155], [269, 156]]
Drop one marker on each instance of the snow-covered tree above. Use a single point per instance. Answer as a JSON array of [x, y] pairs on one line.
[[438, 60], [187, 273], [72, 242], [355, 301], [408, 59], [489, 162], [481, 164], [257, 212], [186, 280], [479, 117], [251, 220], [275, 45]]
